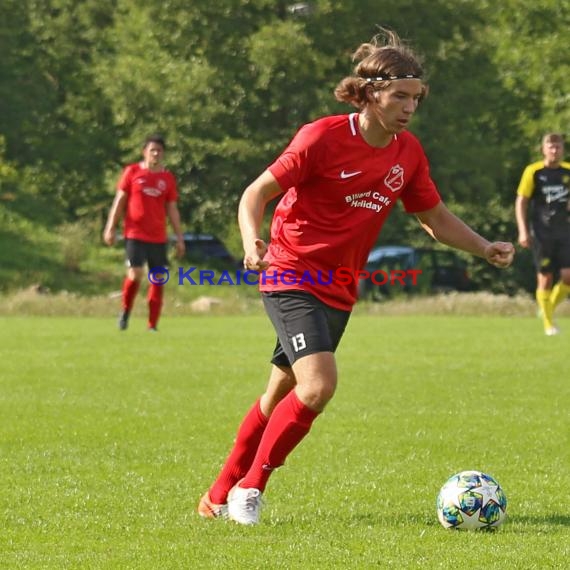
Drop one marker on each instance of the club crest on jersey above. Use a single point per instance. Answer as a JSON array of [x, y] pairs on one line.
[[395, 178]]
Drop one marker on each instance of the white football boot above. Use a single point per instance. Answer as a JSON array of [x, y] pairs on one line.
[[244, 505], [552, 331]]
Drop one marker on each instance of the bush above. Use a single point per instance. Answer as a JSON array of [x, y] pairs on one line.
[[74, 238]]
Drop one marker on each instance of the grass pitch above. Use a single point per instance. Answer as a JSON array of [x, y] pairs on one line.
[[108, 440]]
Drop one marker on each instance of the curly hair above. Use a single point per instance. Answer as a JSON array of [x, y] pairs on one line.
[[385, 58]]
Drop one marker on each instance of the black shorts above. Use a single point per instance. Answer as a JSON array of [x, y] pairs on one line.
[[551, 252], [141, 252], [304, 325]]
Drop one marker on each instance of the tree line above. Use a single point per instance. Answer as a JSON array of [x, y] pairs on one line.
[[82, 82]]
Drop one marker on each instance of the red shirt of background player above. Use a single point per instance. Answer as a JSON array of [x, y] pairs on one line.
[[147, 193]]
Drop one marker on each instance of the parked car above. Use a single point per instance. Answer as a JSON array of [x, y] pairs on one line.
[[208, 250], [437, 271]]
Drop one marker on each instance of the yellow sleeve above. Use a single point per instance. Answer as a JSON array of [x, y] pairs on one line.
[[526, 185]]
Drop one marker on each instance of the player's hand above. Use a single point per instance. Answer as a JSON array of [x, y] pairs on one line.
[[253, 260], [524, 240], [180, 247], [110, 236], [500, 253]]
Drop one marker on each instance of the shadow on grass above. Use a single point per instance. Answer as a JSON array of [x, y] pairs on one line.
[[514, 523], [540, 521], [517, 521]]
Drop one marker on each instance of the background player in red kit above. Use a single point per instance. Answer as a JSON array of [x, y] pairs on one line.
[[341, 176], [146, 194]]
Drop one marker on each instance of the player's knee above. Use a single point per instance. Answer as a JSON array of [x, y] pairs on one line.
[[135, 273], [317, 395], [270, 399]]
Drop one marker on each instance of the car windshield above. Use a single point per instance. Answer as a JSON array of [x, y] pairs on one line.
[[390, 254]]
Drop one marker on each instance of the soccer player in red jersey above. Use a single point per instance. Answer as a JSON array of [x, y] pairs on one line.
[[146, 195], [340, 176]]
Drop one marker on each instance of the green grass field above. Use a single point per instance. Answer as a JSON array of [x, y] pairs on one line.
[[108, 440]]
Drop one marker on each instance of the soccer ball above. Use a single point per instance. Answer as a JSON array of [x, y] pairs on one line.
[[471, 500]]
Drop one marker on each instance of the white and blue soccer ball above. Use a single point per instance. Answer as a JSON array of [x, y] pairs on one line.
[[471, 500]]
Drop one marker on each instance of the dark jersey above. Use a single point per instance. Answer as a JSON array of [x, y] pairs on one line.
[[548, 190]]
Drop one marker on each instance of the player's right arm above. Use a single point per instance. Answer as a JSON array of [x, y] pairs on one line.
[[116, 213], [524, 194], [250, 217], [521, 213]]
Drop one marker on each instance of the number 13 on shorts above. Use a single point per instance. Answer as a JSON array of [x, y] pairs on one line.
[[298, 342]]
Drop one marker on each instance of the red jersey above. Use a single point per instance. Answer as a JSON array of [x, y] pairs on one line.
[[147, 194], [339, 191]]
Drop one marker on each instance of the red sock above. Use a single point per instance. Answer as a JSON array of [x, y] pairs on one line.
[[130, 290], [242, 454], [289, 423], [154, 296]]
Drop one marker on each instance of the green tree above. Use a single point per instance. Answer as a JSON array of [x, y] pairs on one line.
[[55, 118], [229, 82]]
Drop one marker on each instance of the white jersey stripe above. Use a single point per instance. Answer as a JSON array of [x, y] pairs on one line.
[[352, 120]]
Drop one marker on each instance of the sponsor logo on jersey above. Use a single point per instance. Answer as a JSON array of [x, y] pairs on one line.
[[154, 192], [554, 193], [370, 200]]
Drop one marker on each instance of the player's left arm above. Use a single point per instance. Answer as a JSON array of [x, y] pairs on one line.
[[174, 218], [447, 228]]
